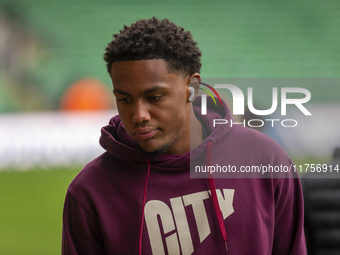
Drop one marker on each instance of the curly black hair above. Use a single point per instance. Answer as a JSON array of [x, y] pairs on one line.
[[155, 39]]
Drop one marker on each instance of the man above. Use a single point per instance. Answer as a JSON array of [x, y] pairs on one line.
[[138, 197]]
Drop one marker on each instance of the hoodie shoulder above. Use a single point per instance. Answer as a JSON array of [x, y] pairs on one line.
[[255, 143], [91, 173]]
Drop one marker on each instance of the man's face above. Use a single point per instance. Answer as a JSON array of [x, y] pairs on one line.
[[153, 104]]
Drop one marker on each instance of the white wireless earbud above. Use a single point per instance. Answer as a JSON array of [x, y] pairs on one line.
[[191, 94]]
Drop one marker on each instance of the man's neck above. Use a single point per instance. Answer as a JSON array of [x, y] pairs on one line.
[[196, 130]]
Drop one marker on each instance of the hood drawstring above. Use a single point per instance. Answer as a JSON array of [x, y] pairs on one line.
[[143, 207], [214, 195]]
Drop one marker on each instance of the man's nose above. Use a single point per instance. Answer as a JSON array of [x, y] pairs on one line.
[[140, 112]]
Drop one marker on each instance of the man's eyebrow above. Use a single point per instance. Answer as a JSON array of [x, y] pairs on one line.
[[122, 92], [153, 89], [145, 92]]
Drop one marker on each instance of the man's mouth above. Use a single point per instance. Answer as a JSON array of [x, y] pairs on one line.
[[144, 133]]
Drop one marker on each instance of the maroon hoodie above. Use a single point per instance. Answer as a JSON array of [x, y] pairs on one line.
[[126, 203]]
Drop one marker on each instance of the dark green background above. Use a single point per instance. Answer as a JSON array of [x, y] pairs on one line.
[[239, 39]]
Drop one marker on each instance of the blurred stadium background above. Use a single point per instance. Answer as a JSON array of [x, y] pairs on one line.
[[51, 65]]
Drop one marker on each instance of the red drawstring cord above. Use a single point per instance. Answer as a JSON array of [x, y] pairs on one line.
[[143, 208], [214, 195]]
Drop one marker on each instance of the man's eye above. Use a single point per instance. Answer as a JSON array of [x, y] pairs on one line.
[[154, 98], [124, 100]]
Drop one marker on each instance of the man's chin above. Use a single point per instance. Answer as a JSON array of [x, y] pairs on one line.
[[155, 153]]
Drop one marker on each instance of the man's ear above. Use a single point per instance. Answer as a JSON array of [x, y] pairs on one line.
[[195, 80]]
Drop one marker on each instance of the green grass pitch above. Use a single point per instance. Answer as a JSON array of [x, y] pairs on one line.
[[31, 211]]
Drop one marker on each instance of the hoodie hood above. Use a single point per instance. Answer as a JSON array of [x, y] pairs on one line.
[[115, 139]]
